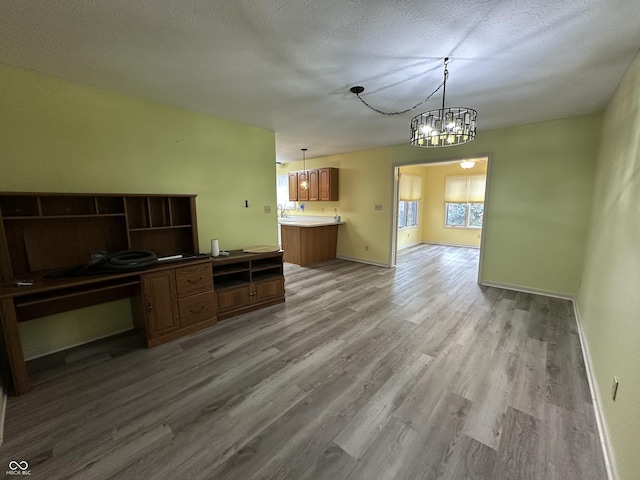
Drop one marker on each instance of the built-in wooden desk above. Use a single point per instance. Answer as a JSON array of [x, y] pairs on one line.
[[172, 300], [44, 232]]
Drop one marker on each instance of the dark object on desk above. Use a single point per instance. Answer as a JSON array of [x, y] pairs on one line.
[[123, 260]]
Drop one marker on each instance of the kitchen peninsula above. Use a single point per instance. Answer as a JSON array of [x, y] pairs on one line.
[[309, 240]]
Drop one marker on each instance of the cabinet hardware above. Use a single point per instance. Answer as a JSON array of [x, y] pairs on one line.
[[199, 310], [149, 307], [191, 281]]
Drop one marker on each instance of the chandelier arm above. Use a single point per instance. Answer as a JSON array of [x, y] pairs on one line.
[[403, 111]]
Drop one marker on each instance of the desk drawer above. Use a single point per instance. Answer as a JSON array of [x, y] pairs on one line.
[[196, 309], [194, 279]]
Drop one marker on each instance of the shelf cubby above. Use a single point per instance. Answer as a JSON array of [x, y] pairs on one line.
[[67, 205], [19, 206]]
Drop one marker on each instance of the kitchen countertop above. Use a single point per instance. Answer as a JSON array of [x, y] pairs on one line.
[[302, 221]]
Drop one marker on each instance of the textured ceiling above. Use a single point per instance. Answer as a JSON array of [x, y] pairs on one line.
[[287, 65]]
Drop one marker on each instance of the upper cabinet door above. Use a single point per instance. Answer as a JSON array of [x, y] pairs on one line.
[[293, 186], [303, 194], [328, 184], [313, 185]]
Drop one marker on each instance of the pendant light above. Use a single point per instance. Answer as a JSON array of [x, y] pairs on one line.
[[304, 184]]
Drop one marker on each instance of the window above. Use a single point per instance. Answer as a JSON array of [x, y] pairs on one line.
[[407, 214], [282, 193], [410, 192], [464, 201]]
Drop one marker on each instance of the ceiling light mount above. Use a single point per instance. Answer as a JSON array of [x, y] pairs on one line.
[[467, 164]]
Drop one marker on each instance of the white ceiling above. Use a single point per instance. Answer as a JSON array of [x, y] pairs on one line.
[[287, 65]]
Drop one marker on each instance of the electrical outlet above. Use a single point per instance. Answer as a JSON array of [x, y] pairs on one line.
[[377, 206], [366, 248], [614, 388], [267, 209]]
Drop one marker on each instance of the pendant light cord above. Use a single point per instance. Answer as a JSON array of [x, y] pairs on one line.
[[358, 90], [403, 111]]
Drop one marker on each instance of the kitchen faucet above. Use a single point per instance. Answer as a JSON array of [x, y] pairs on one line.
[[282, 210]]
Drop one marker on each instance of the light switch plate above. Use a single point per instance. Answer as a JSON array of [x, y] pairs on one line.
[[267, 209]]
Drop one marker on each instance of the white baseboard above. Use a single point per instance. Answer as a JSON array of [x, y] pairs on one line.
[[409, 245], [607, 448], [445, 244], [535, 291], [363, 261]]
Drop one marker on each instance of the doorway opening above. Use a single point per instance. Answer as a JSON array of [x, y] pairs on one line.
[[441, 202]]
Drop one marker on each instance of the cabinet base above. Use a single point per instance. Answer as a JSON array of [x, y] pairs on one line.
[[154, 342], [249, 308]]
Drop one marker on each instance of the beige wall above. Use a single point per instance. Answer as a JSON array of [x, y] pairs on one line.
[[609, 298], [365, 180], [434, 230], [431, 227]]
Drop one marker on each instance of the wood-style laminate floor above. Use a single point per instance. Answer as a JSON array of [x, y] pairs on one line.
[[364, 373]]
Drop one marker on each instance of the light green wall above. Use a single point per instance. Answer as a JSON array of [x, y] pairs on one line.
[[58, 136], [540, 187], [609, 302], [540, 182], [433, 213]]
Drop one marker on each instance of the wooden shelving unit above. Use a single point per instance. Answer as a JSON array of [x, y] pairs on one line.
[[47, 231], [247, 281], [43, 235]]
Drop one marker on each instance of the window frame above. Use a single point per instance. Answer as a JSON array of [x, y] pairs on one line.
[[467, 215], [406, 210]]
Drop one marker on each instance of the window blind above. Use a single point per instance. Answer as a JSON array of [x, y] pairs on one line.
[[476, 188], [464, 188], [410, 187]]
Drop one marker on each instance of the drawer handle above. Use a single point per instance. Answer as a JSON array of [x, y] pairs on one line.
[[191, 281], [199, 310]]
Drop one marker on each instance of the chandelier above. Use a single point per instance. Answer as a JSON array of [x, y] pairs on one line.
[[443, 127]]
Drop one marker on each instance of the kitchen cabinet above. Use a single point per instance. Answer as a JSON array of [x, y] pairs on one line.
[[313, 185], [175, 302], [303, 194], [293, 186], [247, 281], [309, 244], [328, 184], [323, 185]]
